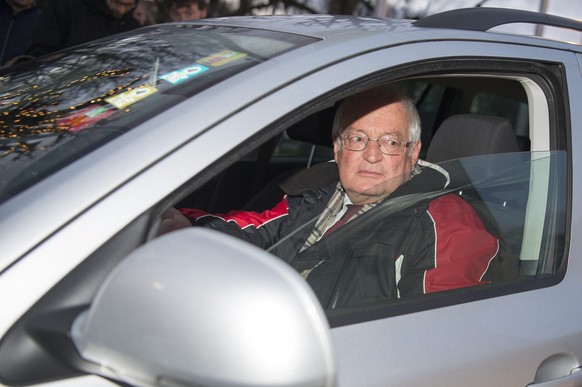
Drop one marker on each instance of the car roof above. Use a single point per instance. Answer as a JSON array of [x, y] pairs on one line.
[[464, 23], [318, 26]]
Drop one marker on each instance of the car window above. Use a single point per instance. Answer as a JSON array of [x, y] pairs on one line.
[[439, 98], [101, 90], [503, 106], [517, 200], [302, 154], [358, 265]]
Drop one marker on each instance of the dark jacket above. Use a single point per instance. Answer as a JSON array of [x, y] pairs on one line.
[[67, 23], [15, 30], [407, 245]]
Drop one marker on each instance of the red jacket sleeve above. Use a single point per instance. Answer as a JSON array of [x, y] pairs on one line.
[[242, 219], [247, 225]]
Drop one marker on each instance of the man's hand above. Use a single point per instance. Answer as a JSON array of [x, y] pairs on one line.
[[172, 220]]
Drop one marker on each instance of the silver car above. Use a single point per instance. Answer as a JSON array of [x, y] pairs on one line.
[[98, 141]]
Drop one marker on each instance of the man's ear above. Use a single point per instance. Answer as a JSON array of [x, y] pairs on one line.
[[336, 149], [416, 152]]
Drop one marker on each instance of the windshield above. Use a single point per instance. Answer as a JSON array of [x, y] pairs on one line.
[[78, 99]]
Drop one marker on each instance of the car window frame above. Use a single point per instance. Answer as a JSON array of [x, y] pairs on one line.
[[546, 80]]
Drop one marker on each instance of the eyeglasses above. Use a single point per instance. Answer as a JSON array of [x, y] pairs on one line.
[[388, 145]]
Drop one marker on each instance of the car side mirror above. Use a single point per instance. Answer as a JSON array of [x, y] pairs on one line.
[[197, 307]]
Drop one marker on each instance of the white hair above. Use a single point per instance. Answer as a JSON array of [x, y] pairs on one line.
[[385, 94]]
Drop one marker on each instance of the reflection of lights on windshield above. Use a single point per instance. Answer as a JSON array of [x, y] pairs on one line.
[[28, 110]]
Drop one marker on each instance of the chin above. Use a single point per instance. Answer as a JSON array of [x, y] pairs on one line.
[[378, 189], [369, 195]]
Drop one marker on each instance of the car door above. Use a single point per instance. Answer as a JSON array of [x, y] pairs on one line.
[[500, 335], [490, 336], [511, 337]]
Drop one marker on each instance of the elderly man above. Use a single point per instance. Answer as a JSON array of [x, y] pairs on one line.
[[66, 23], [395, 250]]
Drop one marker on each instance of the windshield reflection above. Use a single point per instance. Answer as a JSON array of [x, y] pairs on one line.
[[111, 86]]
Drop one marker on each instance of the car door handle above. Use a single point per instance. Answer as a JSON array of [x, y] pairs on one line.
[[559, 370]]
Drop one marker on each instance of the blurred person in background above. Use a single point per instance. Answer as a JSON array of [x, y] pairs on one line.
[[17, 19], [143, 13], [181, 10], [66, 23]]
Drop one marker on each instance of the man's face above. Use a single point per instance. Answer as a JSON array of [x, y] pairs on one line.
[[369, 176], [190, 12], [120, 8]]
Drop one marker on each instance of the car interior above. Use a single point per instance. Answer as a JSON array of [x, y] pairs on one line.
[[308, 142], [463, 117]]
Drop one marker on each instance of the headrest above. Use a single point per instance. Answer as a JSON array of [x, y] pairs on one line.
[[318, 176], [315, 129], [466, 135]]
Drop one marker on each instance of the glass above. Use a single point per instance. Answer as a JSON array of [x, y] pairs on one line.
[[520, 197], [389, 145], [60, 108]]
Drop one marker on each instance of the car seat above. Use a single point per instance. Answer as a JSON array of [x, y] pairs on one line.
[[466, 135], [481, 153]]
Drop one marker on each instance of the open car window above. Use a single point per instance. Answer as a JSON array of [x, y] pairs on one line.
[[519, 197]]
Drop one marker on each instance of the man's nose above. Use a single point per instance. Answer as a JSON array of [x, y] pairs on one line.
[[372, 152]]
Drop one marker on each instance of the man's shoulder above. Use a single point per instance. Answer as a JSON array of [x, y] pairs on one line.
[[427, 177]]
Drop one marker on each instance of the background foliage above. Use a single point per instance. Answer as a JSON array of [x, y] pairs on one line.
[[220, 8]]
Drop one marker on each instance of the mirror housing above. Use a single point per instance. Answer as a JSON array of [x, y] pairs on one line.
[[197, 307]]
